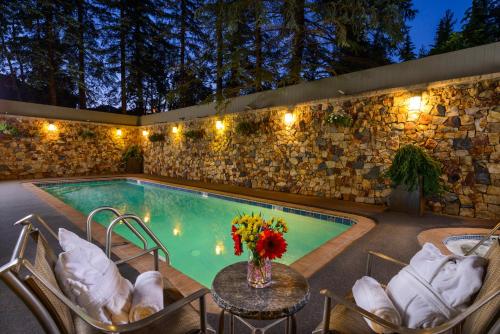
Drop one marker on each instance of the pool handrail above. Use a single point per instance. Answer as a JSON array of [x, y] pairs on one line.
[[117, 214], [146, 229], [483, 240]]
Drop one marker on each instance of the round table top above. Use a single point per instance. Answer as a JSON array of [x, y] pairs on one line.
[[287, 294]]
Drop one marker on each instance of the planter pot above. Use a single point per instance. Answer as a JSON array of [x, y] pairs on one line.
[[133, 165], [403, 200]]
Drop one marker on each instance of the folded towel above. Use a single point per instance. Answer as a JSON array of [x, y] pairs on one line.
[[370, 296], [434, 287], [91, 280], [147, 298]]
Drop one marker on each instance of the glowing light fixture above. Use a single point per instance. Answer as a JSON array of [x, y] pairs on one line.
[[145, 133], [147, 218], [175, 129], [52, 127], [219, 248], [219, 125], [288, 118], [414, 105], [176, 231], [118, 132]]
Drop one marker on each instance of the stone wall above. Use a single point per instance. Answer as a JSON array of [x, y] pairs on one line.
[[71, 149], [459, 125]]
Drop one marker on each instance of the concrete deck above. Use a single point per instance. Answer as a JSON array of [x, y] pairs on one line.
[[394, 234]]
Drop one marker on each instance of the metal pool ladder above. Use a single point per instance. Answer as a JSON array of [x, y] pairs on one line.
[[125, 219]]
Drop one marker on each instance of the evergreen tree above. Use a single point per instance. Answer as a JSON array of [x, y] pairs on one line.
[[481, 23], [443, 32], [407, 51]]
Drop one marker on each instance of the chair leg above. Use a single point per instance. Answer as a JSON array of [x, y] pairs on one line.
[[221, 322], [326, 315], [203, 315]]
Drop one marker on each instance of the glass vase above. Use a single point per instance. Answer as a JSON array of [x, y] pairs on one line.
[[259, 272]]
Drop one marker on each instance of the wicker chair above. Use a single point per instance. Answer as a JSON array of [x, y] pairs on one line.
[[40, 291], [480, 318]]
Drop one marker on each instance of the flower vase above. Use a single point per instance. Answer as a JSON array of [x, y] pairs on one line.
[[259, 272]]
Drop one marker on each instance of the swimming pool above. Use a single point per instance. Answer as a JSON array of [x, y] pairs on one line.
[[194, 225]]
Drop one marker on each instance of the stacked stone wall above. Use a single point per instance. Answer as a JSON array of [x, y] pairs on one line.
[[458, 123], [70, 149]]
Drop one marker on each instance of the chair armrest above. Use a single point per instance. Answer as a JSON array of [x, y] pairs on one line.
[[399, 329], [329, 295], [200, 295], [369, 261]]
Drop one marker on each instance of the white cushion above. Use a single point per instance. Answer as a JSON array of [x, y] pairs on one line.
[[91, 280]]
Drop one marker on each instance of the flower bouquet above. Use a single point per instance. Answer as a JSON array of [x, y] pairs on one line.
[[264, 239]]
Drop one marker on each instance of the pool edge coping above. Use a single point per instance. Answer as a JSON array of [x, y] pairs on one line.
[[307, 265]]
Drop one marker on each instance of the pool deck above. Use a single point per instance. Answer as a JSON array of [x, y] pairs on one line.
[[394, 234]]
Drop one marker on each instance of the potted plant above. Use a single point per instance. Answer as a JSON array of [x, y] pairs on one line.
[[194, 134], [247, 128], [265, 242], [414, 174], [132, 159], [156, 137], [8, 130]]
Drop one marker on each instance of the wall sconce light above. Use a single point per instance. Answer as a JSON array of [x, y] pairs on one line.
[[288, 118], [219, 125], [414, 104], [52, 127], [147, 218], [145, 133], [119, 132], [176, 231], [175, 129]]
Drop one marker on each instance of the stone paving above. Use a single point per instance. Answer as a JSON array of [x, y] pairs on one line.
[[395, 234]]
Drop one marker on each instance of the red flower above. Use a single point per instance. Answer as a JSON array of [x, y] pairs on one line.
[[238, 247], [271, 245]]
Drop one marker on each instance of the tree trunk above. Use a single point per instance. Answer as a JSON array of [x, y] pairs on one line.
[[51, 53], [258, 46], [182, 71], [16, 53], [220, 49], [82, 88], [9, 63], [123, 79], [138, 68], [298, 42], [183, 39]]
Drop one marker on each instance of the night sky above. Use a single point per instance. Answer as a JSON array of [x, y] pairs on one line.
[[423, 27]]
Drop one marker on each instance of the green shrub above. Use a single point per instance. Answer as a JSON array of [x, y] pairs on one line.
[[86, 133], [409, 164], [247, 128], [339, 120], [155, 137], [133, 151], [7, 129], [194, 134]]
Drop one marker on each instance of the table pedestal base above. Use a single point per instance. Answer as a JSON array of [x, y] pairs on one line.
[[290, 325]]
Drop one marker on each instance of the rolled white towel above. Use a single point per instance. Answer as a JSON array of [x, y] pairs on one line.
[[147, 298], [370, 296]]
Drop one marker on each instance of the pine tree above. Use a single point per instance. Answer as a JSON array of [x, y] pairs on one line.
[[188, 85], [407, 51], [480, 24], [445, 39]]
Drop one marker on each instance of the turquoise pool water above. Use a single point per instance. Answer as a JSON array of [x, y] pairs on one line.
[[194, 226]]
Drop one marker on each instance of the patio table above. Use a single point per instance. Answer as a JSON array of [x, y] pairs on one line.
[[287, 294]]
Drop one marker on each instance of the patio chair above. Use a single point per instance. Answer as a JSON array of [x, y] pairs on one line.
[[481, 317], [56, 313]]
